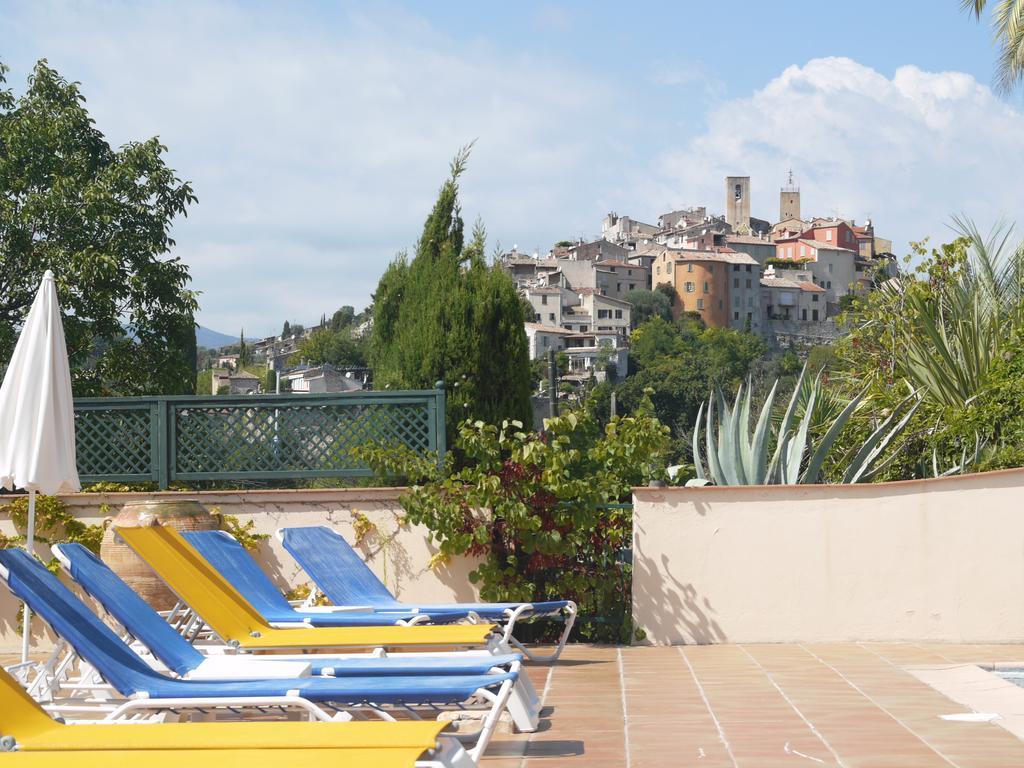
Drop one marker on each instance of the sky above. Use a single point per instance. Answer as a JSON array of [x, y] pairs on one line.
[[316, 135]]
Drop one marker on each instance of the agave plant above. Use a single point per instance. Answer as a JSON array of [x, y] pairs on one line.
[[739, 455]]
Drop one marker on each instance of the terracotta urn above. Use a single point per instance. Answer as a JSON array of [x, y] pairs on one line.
[[182, 514]]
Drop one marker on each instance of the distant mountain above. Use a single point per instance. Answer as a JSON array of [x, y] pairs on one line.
[[212, 339]]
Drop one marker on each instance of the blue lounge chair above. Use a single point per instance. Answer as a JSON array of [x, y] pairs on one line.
[[339, 572], [147, 627], [319, 697], [221, 550]]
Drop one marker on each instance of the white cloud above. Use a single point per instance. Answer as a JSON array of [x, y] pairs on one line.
[[908, 151], [317, 145], [317, 140]]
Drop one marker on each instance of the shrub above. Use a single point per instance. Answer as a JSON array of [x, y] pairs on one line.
[[535, 508]]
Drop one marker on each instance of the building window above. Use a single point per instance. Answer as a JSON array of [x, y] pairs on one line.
[[705, 286], [735, 267], [814, 314], [789, 251], [618, 314], [632, 286], [830, 269], [748, 267], [735, 301], [700, 303], [736, 282], [690, 288], [545, 340], [803, 314], [657, 269], [583, 329], [544, 299], [750, 301], [738, 191], [814, 297], [735, 315], [720, 306], [828, 284], [689, 267], [828, 236], [803, 250], [748, 282], [551, 316]]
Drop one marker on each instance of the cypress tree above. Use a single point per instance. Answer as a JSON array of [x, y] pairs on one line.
[[445, 314]]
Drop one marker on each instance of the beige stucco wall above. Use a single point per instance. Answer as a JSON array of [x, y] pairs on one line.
[[921, 560], [400, 555]]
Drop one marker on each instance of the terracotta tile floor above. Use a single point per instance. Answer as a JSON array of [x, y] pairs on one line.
[[851, 704]]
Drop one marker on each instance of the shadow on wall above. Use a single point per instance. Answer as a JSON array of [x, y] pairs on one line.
[[682, 612]]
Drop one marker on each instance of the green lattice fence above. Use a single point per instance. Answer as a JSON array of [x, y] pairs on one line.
[[248, 437]]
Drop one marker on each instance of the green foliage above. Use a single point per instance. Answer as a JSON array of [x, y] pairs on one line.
[[1008, 29], [100, 218], [647, 305], [245, 533], [204, 382], [330, 346], [534, 507], [342, 318], [678, 363], [286, 330], [949, 332], [445, 315], [54, 525]]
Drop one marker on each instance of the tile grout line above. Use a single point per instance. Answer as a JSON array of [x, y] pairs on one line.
[[707, 704], [625, 713], [543, 698], [867, 696], [940, 655], [820, 736]]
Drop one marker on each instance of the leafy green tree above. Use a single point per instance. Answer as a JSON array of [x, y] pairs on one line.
[[342, 318], [648, 304], [286, 330], [334, 347], [446, 315], [100, 218]]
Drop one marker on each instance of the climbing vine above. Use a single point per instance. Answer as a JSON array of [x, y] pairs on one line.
[[54, 525]]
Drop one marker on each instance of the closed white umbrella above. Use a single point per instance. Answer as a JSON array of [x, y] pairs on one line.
[[37, 413]]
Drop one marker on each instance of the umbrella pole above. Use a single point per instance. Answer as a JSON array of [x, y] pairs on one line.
[[30, 539]]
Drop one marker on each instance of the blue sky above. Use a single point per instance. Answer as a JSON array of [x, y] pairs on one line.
[[316, 134]]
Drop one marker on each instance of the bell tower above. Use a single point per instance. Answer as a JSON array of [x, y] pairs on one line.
[[737, 202], [789, 200]]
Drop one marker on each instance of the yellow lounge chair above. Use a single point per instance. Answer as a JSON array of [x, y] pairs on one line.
[[240, 625], [27, 729]]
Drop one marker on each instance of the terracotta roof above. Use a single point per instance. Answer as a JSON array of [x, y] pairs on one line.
[[545, 328], [785, 282], [825, 245], [728, 258], [614, 263]]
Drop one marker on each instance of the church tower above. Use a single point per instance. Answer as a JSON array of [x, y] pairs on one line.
[[789, 200], [737, 202]]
